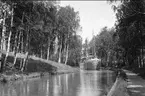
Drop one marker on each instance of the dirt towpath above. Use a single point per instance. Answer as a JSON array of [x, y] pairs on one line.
[[136, 84]]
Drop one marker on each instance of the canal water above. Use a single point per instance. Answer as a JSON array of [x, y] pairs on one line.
[[85, 83]]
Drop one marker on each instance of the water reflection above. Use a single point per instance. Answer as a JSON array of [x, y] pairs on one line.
[[86, 83]]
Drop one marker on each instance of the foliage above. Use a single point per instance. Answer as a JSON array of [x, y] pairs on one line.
[[75, 51], [104, 45], [130, 30], [36, 25]]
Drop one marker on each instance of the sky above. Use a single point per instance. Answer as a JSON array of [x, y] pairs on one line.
[[94, 15]]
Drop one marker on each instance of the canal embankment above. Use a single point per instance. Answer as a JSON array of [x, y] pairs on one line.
[[134, 86], [119, 88], [84, 83], [36, 67]]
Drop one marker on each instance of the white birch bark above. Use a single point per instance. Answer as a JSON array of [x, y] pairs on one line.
[[25, 62], [48, 49], [15, 59], [66, 58], [59, 59], [9, 38], [3, 41]]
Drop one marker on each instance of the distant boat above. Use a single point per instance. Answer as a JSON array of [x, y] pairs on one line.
[[91, 64]]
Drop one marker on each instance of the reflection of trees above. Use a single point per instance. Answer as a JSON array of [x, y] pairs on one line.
[[60, 85], [47, 87], [90, 83], [110, 81], [55, 86], [94, 83], [7, 90], [65, 83]]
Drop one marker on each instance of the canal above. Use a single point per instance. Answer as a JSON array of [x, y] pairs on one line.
[[85, 83]]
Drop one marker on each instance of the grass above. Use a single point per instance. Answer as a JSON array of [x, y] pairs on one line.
[[36, 67], [36, 64]]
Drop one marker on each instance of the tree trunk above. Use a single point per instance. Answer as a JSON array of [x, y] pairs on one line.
[[19, 41], [140, 61], [22, 44], [0, 61], [41, 56], [142, 53], [17, 48], [8, 48], [3, 41], [25, 62], [24, 65], [48, 49], [22, 47], [9, 38], [60, 51], [56, 46], [66, 57], [15, 43]]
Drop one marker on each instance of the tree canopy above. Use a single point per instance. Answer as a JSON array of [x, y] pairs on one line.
[[40, 28]]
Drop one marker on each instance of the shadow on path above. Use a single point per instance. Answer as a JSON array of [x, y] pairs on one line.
[[136, 84]]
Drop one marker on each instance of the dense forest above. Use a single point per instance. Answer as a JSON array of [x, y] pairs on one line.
[[47, 30], [41, 29], [122, 45]]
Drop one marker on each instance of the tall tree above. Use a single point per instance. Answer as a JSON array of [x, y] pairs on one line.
[[130, 29], [68, 21]]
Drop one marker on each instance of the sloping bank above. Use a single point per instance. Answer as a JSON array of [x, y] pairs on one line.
[[36, 67], [119, 88]]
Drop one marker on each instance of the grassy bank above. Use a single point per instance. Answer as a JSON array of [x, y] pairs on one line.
[[4, 78], [36, 67]]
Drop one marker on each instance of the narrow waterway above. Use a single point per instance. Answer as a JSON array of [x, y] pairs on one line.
[[85, 83]]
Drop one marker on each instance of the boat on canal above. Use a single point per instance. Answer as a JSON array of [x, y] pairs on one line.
[[90, 64]]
